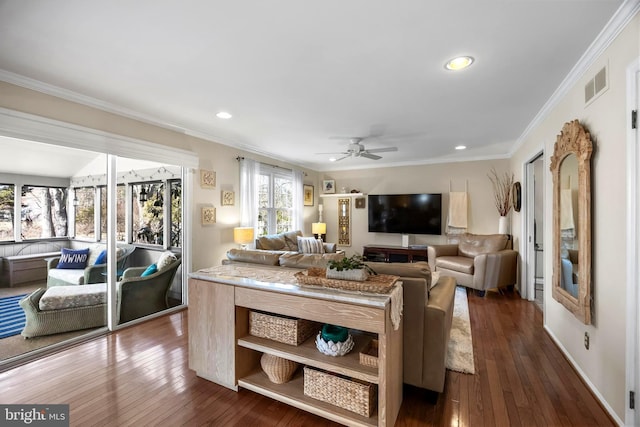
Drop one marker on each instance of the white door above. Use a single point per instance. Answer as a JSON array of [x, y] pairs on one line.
[[534, 228]]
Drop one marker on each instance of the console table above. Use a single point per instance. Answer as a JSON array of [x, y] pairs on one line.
[[384, 253], [222, 350]]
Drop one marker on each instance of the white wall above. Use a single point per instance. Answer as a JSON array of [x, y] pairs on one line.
[[434, 178], [604, 363]]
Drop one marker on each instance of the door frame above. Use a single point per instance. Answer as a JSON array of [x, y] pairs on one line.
[[632, 357], [527, 243]]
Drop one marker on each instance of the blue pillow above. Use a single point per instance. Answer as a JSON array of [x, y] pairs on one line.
[[150, 270], [102, 258], [73, 259]]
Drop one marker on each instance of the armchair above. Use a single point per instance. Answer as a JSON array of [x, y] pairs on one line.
[[478, 261], [92, 273], [141, 296]]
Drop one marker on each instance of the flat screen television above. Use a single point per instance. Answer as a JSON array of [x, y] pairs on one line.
[[405, 213]]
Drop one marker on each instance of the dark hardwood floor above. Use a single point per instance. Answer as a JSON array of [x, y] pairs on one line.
[[139, 376]]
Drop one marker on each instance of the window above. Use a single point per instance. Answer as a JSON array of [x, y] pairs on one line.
[[43, 212], [121, 192], [84, 202], [275, 201], [176, 213], [7, 202], [148, 213]]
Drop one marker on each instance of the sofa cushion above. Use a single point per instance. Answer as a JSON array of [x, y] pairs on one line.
[[310, 245], [66, 276], [435, 277], [472, 245], [165, 260], [455, 263], [279, 242], [94, 252], [102, 258], [153, 268], [255, 257], [296, 260], [59, 297], [73, 258]]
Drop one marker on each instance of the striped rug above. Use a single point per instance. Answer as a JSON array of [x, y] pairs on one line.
[[11, 316]]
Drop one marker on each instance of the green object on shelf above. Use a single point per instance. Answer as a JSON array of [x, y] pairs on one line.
[[334, 333]]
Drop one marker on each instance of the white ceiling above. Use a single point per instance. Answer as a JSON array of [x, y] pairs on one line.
[[296, 73]]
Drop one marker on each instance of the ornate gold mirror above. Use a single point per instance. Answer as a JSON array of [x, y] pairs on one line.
[[571, 170], [344, 222]]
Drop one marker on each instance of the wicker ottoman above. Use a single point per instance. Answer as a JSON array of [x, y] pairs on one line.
[[48, 322]]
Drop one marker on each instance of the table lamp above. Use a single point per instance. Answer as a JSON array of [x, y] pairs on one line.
[[319, 229], [243, 236]]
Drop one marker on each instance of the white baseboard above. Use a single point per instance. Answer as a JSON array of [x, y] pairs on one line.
[[585, 378]]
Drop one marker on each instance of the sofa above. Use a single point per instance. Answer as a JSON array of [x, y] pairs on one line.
[[427, 311], [92, 272], [477, 261], [287, 242]]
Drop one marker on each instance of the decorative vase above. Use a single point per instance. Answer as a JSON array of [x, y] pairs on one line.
[[503, 224], [278, 369]]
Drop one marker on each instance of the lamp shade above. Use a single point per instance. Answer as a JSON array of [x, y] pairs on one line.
[[243, 235], [318, 228]]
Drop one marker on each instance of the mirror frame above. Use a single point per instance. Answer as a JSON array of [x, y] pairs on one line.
[[574, 139]]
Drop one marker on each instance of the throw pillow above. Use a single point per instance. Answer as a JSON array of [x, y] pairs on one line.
[[73, 259], [310, 245], [102, 258], [435, 276], [150, 270], [165, 260]]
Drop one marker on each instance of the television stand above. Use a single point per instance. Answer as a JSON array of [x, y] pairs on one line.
[[385, 253]]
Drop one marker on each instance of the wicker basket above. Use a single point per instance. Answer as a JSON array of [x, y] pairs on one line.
[[353, 395], [278, 369], [282, 329], [380, 284], [369, 354]]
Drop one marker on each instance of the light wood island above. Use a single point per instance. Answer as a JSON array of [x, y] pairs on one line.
[[221, 349]]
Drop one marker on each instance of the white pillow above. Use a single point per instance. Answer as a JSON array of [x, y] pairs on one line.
[[166, 259], [435, 276], [310, 245]]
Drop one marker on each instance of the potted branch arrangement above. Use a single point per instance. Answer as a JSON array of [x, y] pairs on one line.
[[502, 187], [351, 268]]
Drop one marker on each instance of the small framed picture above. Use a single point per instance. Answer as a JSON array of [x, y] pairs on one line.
[[207, 179], [228, 198], [308, 195], [361, 202], [208, 216], [329, 186]]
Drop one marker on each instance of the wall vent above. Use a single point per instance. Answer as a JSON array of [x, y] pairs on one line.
[[596, 86]]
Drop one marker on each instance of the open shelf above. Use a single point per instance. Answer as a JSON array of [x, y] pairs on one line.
[[307, 354], [292, 393], [342, 195]]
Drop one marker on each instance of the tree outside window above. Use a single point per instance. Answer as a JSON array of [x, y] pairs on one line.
[[121, 191], [43, 212], [148, 213], [7, 203], [176, 213], [84, 201]]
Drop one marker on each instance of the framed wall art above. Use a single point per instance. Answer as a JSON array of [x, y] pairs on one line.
[[227, 198], [329, 186], [207, 179], [208, 216], [361, 202], [308, 195]]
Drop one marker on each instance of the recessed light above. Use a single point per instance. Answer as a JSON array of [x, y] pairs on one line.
[[223, 115], [459, 63], [461, 147], [332, 159]]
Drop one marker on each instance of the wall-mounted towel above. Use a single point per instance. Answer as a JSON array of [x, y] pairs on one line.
[[567, 225], [458, 208]]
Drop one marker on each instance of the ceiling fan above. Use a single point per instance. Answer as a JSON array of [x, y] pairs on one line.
[[356, 149]]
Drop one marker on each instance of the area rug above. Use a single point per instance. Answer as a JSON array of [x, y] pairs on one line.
[[460, 351], [11, 316]]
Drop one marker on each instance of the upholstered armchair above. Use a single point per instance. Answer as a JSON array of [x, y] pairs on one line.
[[92, 273], [141, 295], [478, 261]]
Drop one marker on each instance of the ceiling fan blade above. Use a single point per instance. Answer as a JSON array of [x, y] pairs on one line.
[[342, 158], [370, 156], [382, 150], [335, 152]]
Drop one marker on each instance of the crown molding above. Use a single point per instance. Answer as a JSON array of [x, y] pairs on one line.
[[616, 24]]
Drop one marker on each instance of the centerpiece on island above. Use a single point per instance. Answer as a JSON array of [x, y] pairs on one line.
[[351, 268]]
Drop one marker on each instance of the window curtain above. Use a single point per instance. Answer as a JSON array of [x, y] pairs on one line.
[[297, 214], [249, 174]]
